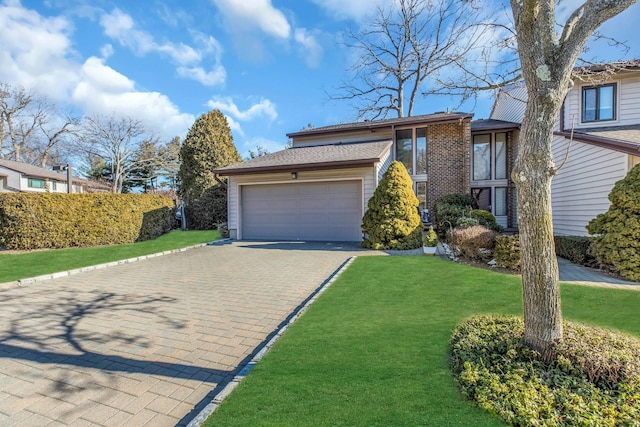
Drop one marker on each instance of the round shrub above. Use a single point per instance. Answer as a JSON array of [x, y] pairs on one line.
[[466, 222], [507, 252], [448, 210], [594, 380], [392, 220], [486, 218], [617, 231]]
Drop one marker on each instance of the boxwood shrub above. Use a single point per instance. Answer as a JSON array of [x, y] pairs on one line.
[[507, 252], [59, 220], [594, 380]]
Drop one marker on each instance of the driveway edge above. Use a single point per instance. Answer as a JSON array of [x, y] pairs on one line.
[[29, 280], [264, 348]]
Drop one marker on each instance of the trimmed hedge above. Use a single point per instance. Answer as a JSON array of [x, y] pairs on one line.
[[576, 249], [594, 380], [59, 220]]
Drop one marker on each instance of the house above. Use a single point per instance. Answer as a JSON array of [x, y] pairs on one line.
[[604, 145], [23, 177], [319, 188]]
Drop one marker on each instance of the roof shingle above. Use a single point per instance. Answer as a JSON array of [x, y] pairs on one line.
[[314, 157]]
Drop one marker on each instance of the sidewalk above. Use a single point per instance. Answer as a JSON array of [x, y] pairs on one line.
[[580, 275]]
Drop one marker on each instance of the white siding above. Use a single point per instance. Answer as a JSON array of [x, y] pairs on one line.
[[510, 104], [368, 176], [344, 137], [627, 108], [581, 188], [384, 164]]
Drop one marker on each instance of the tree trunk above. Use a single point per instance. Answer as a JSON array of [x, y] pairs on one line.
[[532, 173]]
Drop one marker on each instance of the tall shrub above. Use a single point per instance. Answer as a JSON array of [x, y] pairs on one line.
[[392, 220], [208, 146], [617, 231]]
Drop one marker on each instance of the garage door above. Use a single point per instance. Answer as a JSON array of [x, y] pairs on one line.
[[321, 211]]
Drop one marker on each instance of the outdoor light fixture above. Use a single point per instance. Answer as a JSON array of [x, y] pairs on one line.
[[294, 175]]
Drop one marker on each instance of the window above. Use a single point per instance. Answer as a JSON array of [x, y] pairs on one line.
[[500, 206], [501, 156], [421, 193], [421, 151], [404, 149], [481, 157], [36, 183], [54, 186], [599, 103]]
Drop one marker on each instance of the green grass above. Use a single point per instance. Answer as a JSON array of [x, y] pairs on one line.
[[373, 349], [29, 264]]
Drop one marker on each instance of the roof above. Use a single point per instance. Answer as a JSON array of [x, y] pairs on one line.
[[332, 156], [378, 124], [490, 124], [618, 138], [38, 172], [31, 170]]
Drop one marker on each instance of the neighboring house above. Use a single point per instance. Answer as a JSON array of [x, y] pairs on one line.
[[319, 188], [605, 118], [23, 177]]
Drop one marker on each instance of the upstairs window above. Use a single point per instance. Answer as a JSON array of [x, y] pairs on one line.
[[404, 149], [599, 103], [411, 150], [489, 156]]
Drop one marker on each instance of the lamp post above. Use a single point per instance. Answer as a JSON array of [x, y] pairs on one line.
[[67, 168]]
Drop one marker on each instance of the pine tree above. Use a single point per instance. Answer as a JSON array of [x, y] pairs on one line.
[[208, 146], [392, 220]]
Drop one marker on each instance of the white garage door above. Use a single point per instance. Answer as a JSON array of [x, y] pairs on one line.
[[320, 211]]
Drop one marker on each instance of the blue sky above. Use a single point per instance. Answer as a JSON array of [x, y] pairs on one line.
[[267, 64]]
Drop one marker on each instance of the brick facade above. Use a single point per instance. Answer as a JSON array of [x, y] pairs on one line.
[[449, 160]]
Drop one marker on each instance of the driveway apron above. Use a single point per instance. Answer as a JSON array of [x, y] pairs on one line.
[[150, 342]]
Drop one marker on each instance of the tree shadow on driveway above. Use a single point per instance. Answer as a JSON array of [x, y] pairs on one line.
[[67, 328]]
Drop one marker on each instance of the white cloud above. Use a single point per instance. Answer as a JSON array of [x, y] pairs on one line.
[[264, 108], [36, 51], [311, 49], [120, 26], [242, 15], [215, 77], [102, 90], [106, 51], [234, 125]]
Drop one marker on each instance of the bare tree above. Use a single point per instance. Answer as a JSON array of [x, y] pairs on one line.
[[20, 113], [547, 61], [55, 132], [117, 140], [403, 47]]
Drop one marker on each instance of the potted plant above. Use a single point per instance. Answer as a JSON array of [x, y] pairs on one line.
[[430, 242]]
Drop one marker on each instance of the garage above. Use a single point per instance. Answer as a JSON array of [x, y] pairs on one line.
[[314, 211]]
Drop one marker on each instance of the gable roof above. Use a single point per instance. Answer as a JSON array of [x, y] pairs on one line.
[[619, 138], [378, 124], [318, 157]]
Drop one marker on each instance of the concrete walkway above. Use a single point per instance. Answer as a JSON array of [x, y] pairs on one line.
[[151, 342], [580, 275]]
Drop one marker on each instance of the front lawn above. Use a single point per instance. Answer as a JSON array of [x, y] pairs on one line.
[[14, 266], [373, 349]]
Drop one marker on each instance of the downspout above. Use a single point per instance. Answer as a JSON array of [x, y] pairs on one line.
[[221, 182]]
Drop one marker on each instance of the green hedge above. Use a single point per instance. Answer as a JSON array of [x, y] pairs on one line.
[[36, 221], [576, 249]]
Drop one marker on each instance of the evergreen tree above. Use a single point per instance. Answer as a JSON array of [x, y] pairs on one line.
[[208, 146], [392, 220], [617, 240]]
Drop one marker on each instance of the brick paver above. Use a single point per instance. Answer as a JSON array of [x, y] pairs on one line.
[[147, 343]]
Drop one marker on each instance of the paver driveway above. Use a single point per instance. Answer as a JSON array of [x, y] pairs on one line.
[[146, 343]]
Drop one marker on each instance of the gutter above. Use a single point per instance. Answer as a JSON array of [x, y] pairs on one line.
[[599, 141], [221, 182]]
